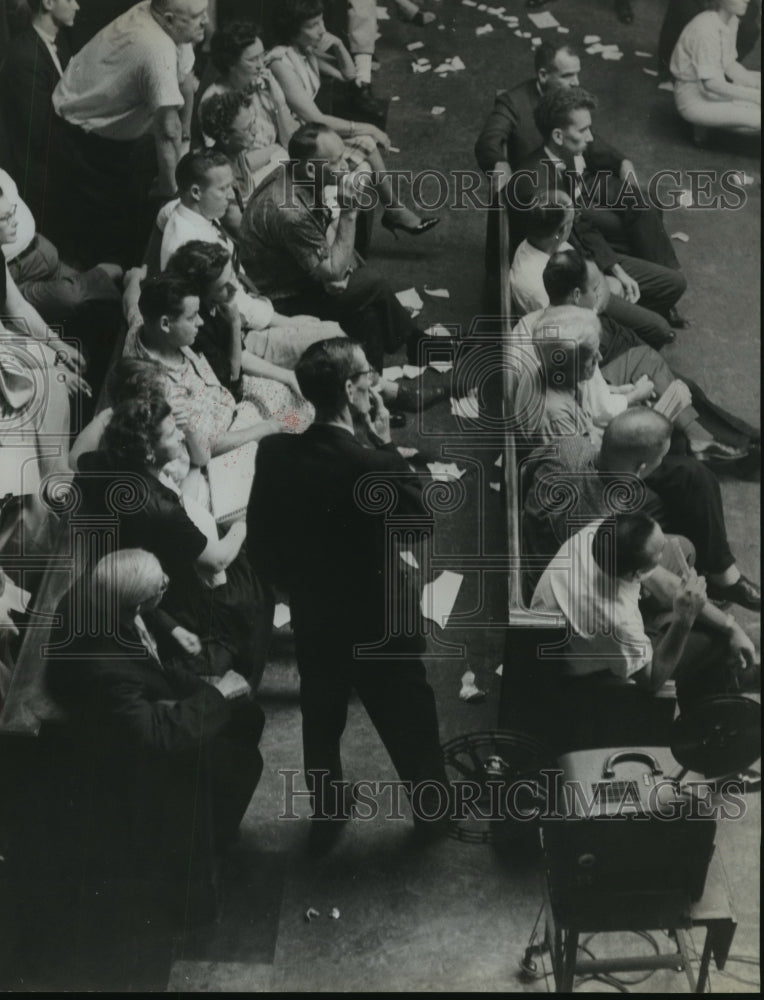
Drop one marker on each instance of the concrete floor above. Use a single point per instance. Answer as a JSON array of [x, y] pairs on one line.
[[458, 916]]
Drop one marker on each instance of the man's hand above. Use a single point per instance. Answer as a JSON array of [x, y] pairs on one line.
[[187, 641], [742, 650], [630, 287], [66, 355], [379, 417], [690, 597], [643, 389], [502, 172]]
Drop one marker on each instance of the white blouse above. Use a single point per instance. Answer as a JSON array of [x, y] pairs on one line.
[[706, 50]]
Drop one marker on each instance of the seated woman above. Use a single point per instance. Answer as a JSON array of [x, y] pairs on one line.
[[230, 122], [305, 51], [711, 88], [212, 591], [133, 378], [171, 320], [237, 54], [142, 711], [239, 362]]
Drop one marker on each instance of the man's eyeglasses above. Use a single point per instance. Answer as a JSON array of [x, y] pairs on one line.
[[8, 216]]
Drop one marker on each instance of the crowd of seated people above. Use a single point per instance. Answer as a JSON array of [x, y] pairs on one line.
[[225, 219], [129, 184], [612, 435]]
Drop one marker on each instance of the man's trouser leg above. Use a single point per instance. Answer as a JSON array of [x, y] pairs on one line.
[[660, 287], [692, 504], [651, 328], [401, 704]]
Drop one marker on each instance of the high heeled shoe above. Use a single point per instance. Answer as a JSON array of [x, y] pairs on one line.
[[424, 226]]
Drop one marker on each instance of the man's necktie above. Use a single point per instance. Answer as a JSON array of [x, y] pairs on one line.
[[229, 245]]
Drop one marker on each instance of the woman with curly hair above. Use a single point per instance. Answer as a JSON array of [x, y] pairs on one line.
[[135, 378], [211, 591], [237, 55], [305, 52]]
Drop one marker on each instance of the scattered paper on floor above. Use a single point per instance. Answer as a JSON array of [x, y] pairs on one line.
[[437, 293], [685, 199], [469, 691], [591, 39], [407, 452], [437, 330], [441, 366], [442, 472], [500, 670], [544, 19], [413, 46], [484, 29], [650, 72], [643, 55], [281, 615], [682, 237], [439, 597], [496, 487], [467, 407], [409, 558], [437, 109], [410, 299], [412, 371], [666, 85], [499, 462]]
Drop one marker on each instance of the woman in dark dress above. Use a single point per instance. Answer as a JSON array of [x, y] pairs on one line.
[[211, 591]]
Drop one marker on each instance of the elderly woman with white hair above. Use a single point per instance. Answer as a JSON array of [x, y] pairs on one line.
[[114, 676]]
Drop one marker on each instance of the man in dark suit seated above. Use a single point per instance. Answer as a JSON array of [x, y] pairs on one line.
[[316, 530], [510, 134], [142, 710], [614, 224]]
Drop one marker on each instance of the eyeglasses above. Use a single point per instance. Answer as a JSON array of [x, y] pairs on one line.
[[8, 216]]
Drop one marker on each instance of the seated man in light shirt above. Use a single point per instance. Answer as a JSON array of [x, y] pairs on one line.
[[596, 581]]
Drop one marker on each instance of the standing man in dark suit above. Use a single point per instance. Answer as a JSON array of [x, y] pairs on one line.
[[614, 224], [37, 59], [316, 530]]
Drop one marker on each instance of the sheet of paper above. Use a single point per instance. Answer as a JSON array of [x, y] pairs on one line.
[[412, 371], [650, 72], [437, 293], [535, 41], [441, 366], [439, 597], [383, 14], [413, 46], [410, 299], [496, 487], [456, 63], [281, 615], [437, 330], [393, 149], [499, 670], [469, 3], [469, 691], [591, 39], [442, 472], [544, 19], [564, 31], [393, 373], [499, 462], [643, 55], [682, 237], [666, 85], [484, 29], [437, 110], [421, 67], [685, 199], [409, 558], [407, 452], [593, 50], [612, 56], [466, 408]]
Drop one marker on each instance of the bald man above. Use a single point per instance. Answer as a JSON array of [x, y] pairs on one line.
[[130, 84]]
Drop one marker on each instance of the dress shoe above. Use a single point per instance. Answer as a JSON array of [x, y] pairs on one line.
[[716, 451], [413, 397], [677, 321], [424, 226], [624, 11], [365, 103], [744, 592]]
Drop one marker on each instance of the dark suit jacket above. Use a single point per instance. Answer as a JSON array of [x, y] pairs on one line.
[[534, 177], [317, 529], [510, 131], [28, 80], [121, 692]]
